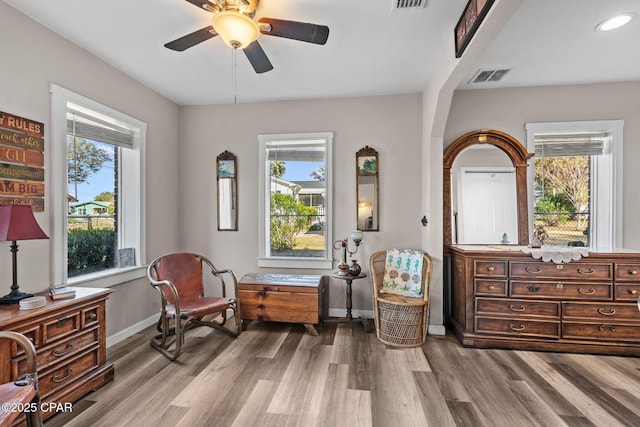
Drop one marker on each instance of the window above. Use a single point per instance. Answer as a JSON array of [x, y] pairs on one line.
[[97, 191], [295, 200], [576, 182]]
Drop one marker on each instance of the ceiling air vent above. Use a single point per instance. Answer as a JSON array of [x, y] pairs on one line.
[[487, 76], [407, 4]]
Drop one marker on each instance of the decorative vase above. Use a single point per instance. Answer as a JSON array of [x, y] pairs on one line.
[[354, 268]]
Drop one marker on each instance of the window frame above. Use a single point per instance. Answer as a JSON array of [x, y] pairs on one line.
[[264, 188], [606, 177], [132, 230]]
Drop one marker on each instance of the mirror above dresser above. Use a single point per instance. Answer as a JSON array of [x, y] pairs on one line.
[[508, 222]]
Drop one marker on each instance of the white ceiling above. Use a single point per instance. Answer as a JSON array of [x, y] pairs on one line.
[[371, 50]]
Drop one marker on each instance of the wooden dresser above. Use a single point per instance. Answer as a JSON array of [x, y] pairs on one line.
[[70, 340], [507, 299], [290, 298]]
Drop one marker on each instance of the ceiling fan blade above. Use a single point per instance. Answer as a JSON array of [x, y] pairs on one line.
[[192, 39], [204, 4], [302, 31], [258, 58]]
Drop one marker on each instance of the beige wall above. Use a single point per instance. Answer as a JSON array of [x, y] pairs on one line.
[[390, 124], [32, 58], [509, 110]]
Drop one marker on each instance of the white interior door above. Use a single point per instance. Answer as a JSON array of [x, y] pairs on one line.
[[488, 207]]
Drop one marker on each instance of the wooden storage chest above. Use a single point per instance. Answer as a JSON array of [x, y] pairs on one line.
[[284, 298]]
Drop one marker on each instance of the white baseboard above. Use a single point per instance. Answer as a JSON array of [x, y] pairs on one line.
[[341, 312], [437, 330], [133, 329]]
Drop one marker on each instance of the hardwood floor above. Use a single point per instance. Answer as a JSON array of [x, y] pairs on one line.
[[278, 375]]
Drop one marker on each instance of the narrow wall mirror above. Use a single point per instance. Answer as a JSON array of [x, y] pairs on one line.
[[367, 189], [227, 192]]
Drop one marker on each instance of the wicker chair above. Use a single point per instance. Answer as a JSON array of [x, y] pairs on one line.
[[179, 278], [22, 393], [400, 321]]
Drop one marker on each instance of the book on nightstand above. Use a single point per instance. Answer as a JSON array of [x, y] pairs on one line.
[[62, 293]]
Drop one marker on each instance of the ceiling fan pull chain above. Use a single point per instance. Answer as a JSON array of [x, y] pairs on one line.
[[233, 72]]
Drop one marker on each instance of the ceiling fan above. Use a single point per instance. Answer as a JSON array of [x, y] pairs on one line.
[[233, 22]]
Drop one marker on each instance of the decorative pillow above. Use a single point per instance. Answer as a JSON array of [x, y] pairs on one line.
[[403, 273]]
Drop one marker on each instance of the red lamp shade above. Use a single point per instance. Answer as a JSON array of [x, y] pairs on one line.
[[18, 223]]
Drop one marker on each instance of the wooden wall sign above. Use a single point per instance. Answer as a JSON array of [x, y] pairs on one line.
[[21, 161], [468, 24]]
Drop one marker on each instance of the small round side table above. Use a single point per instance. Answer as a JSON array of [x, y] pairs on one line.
[[349, 317]]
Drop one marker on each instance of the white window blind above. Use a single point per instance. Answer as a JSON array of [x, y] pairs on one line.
[[93, 126], [560, 145], [297, 151]]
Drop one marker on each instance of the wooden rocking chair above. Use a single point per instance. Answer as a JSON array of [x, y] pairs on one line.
[[179, 278]]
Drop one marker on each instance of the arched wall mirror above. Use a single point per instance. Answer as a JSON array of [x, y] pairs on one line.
[[485, 190], [227, 172], [367, 189]]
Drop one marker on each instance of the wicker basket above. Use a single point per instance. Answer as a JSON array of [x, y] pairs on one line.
[[401, 325]]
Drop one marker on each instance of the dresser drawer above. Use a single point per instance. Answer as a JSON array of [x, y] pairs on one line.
[[515, 307], [562, 290], [61, 376], [518, 327], [490, 268], [33, 334], [572, 270], [609, 331], [57, 352], [90, 316], [491, 287], [626, 291], [279, 306], [609, 312], [60, 326], [627, 272]]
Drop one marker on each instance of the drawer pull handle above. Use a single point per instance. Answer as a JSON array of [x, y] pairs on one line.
[[93, 316], [587, 292], [633, 272], [276, 289], [632, 291], [516, 328], [610, 313], [586, 270], [513, 308], [57, 353], [57, 379], [533, 269], [491, 288], [491, 268], [610, 327]]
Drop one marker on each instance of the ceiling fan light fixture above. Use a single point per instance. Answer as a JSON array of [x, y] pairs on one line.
[[615, 22], [237, 30]]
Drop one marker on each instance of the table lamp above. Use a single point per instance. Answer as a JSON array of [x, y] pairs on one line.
[[17, 223], [343, 245]]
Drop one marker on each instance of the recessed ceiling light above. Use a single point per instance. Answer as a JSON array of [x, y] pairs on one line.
[[615, 22]]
